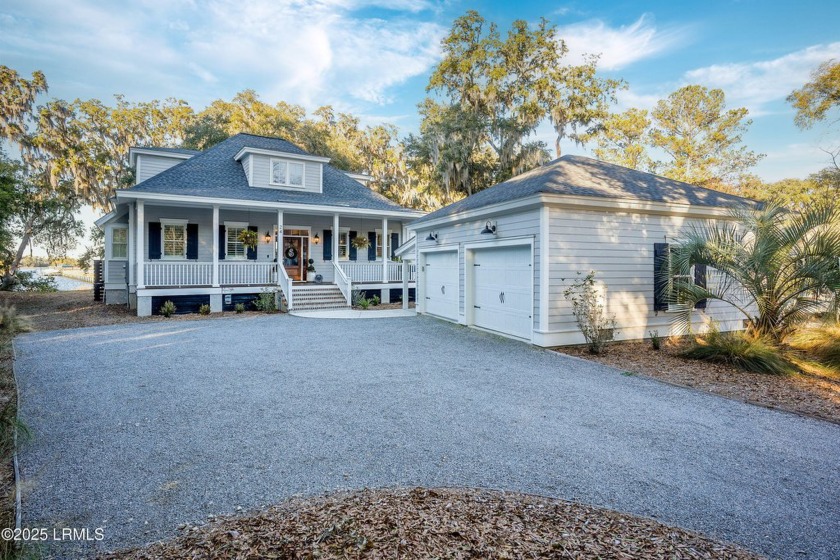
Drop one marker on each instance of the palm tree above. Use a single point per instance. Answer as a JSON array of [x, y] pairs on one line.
[[776, 267]]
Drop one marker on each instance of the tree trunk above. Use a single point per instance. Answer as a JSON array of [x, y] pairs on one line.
[[557, 146]]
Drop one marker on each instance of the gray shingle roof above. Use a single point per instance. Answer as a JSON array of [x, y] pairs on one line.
[[214, 173], [583, 176]]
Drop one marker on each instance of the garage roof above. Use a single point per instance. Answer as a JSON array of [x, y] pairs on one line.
[[582, 176]]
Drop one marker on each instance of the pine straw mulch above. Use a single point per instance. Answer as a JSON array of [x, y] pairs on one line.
[[813, 391], [434, 523]]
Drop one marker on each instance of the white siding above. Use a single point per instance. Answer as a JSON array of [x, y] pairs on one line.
[[264, 221], [515, 225], [619, 247], [149, 166], [262, 173]]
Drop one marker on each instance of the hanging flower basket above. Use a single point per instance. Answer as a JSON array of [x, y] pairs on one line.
[[360, 242], [248, 238]]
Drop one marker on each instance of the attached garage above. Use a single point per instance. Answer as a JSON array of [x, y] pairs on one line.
[[440, 284], [500, 289]]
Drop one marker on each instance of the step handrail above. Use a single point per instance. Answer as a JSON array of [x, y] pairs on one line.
[[343, 282], [285, 285]]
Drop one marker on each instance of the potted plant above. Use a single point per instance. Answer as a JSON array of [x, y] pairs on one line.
[[248, 238], [360, 242], [310, 270]]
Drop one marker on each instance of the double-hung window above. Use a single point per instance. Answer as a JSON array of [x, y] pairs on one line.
[[343, 243], [286, 173], [119, 243], [234, 246], [174, 239]]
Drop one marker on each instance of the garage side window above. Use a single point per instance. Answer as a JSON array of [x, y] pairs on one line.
[[667, 296]]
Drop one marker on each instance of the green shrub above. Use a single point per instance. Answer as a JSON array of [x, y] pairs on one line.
[[822, 343], [597, 327], [204, 309], [266, 302], [239, 307], [375, 300], [741, 350], [168, 308], [655, 340], [364, 303], [28, 282], [357, 297]]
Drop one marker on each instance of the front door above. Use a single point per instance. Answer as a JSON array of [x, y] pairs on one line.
[[295, 254]]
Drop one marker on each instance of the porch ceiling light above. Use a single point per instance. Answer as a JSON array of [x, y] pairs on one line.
[[489, 228], [267, 236], [316, 239], [432, 236]]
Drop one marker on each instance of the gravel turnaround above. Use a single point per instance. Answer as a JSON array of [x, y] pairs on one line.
[[140, 428]]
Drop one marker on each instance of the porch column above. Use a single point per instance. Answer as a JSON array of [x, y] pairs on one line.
[[385, 249], [405, 284], [335, 236], [215, 245], [279, 252], [131, 258], [141, 226]]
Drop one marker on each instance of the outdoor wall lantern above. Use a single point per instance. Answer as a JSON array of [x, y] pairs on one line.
[[267, 237], [432, 236], [489, 228], [316, 239]]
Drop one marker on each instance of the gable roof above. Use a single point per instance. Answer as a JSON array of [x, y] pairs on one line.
[[582, 176], [214, 173]]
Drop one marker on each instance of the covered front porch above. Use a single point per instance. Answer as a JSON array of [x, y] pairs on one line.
[[159, 248]]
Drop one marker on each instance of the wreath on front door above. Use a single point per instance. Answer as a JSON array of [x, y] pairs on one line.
[[290, 252]]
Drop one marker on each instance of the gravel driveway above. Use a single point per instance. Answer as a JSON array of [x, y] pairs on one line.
[[139, 428]]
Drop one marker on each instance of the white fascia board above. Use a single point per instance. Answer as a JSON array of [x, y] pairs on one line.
[[275, 153], [579, 203], [405, 248], [125, 195], [132, 154], [359, 176], [101, 221]]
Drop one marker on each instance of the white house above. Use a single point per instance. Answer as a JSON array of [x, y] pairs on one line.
[[500, 259], [175, 235]]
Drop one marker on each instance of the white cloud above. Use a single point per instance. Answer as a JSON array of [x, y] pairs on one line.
[[621, 46], [755, 84], [311, 52]]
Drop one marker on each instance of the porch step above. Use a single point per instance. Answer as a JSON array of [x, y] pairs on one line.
[[319, 296]]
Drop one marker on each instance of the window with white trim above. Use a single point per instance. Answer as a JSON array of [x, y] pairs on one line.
[[343, 243], [234, 249], [674, 298], [286, 173], [174, 240], [119, 243], [378, 244]]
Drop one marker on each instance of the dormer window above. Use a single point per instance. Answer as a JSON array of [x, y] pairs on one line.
[[286, 173]]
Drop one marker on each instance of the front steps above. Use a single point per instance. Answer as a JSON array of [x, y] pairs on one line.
[[317, 296]]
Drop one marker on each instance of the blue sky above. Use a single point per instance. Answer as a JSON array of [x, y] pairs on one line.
[[373, 57]]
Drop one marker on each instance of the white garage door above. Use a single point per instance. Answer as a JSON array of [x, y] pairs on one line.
[[501, 283], [441, 284]]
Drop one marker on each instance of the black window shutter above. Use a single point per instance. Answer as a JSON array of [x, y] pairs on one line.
[[660, 276], [395, 239], [222, 247], [154, 241], [192, 241], [351, 249], [371, 245], [252, 251], [327, 244], [700, 280]]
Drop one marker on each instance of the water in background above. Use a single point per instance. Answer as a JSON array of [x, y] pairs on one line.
[[63, 284]]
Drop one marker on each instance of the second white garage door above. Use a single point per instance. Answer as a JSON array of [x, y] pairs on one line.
[[441, 284], [501, 287]]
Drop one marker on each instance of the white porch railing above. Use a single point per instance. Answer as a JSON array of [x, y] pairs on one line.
[[245, 274], [361, 272], [178, 273], [343, 283], [286, 285]]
